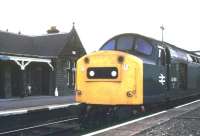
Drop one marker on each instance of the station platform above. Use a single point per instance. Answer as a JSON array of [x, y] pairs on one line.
[[24, 105], [182, 120]]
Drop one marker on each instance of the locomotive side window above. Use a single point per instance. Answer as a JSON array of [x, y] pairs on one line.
[[143, 47], [109, 46], [125, 43], [197, 60], [179, 75], [193, 59], [162, 56]]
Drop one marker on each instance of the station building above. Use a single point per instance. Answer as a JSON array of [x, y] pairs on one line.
[[38, 65]]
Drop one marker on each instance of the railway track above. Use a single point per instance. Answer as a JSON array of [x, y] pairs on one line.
[[50, 128], [39, 122], [71, 126]]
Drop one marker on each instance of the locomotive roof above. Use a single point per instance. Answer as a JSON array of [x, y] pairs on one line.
[[164, 43]]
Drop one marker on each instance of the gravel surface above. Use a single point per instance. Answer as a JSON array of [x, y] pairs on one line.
[[185, 125]]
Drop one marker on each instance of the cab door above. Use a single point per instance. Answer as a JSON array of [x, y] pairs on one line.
[[164, 70]]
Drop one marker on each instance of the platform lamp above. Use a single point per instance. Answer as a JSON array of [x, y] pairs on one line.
[[162, 29]]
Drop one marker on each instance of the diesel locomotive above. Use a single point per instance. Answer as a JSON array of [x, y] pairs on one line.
[[132, 70]]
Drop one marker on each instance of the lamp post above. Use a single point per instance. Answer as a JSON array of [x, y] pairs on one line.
[[162, 29]]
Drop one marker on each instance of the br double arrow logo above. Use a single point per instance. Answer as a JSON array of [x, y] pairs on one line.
[[161, 78]]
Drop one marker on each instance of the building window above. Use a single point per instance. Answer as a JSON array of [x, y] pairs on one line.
[[73, 73], [68, 65], [68, 77], [70, 73], [68, 70]]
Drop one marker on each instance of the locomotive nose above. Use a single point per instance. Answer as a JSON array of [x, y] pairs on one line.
[[107, 77]]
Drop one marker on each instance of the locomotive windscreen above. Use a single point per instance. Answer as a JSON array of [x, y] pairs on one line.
[[123, 43], [130, 44]]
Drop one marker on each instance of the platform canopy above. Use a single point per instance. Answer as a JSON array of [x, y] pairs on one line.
[[25, 61]]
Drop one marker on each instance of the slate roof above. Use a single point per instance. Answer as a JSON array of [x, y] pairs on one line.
[[45, 46]]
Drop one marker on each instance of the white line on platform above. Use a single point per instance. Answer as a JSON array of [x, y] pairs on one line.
[[13, 112], [52, 107], [186, 104], [25, 110], [42, 125], [123, 124]]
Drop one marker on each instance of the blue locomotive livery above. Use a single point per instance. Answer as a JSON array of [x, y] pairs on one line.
[[134, 70]]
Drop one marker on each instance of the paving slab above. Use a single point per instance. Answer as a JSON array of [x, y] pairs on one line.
[[23, 105]]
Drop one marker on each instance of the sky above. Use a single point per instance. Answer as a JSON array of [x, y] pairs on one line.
[[96, 21]]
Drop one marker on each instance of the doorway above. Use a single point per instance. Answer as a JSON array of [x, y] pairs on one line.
[[16, 80], [40, 77]]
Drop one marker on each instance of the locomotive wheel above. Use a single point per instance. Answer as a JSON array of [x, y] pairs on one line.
[[123, 112], [91, 116]]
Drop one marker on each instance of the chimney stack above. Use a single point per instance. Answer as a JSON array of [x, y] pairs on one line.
[[52, 30]]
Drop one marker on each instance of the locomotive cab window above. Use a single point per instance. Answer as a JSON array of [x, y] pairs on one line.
[[110, 45], [125, 43], [129, 43], [162, 56], [143, 47]]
